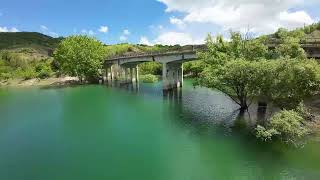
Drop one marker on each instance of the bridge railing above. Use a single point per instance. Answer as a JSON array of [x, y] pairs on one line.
[[148, 54], [188, 49], [302, 41]]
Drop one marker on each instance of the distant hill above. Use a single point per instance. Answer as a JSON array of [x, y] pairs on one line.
[[41, 43]]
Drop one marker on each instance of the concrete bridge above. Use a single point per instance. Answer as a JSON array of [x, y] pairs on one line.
[[125, 68]]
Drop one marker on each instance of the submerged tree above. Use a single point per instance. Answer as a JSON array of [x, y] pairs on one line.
[[231, 67], [81, 56], [242, 70]]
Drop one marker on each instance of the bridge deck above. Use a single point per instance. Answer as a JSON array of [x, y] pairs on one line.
[[153, 54], [306, 43]]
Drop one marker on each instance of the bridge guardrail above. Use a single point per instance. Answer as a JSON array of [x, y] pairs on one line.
[[273, 42], [192, 48], [148, 54]]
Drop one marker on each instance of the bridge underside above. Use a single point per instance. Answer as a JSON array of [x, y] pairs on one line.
[[125, 70]]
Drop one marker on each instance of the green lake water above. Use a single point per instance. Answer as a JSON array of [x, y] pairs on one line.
[[96, 133]]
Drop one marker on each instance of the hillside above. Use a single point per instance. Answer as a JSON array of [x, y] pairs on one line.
[[16, 41]]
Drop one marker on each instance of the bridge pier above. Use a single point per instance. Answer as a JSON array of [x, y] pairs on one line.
[[172, 75], [172, 70]]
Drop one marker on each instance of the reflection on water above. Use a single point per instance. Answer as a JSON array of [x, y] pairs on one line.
[[202, 104], [96, 132]]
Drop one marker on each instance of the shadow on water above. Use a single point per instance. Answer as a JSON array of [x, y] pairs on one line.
[[202, 108]]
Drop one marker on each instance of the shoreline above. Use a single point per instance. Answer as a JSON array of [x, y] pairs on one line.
[[313, 102], [53, 81]]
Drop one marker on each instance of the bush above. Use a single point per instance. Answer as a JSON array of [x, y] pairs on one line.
[[5, 76], [286, 125], [43, 70], [29, 73], [264, 134], [150, 68], [148, 78], [304, 112]]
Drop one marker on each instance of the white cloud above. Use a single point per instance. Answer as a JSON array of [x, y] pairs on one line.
[[53, 34], [14, 29], [295, 19], [144, 40], [126, 32], [123, 38], [173, 38], [178, 22], [6, 29], [88, 32], [44, 28], [103, 29], [262, 16]]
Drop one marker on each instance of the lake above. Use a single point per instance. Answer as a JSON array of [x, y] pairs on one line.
[[98, 132]]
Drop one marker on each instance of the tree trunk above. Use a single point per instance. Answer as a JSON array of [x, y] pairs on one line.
[[243, 104]]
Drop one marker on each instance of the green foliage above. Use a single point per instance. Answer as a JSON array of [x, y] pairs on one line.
[[27, 74], [150, 68], [264, 134], [237, 78], [232, 68], [244, 69], [304, 112], [16, 64], [286, 125], [26, 39], [81, 56], [289, 44], [293, 81], [148, 78], [43, 70], [193, 68], [118, 49]]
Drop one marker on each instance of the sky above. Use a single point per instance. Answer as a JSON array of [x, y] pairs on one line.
[[155, 21]]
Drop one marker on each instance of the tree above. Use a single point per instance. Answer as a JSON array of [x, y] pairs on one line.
[[81, 56], [289, 44], [150, 68], [232, 67], [242, 70], [293, 81], [193, 68]]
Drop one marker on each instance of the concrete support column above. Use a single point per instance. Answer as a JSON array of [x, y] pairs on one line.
[[122, 73], [131, 74], [180, 76], [126, 75], [112, 73], [165, 82], [172, 76], [106, 75], [109, 74], [137, 74]]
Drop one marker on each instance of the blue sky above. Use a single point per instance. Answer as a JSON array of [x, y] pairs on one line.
[[155, 21]]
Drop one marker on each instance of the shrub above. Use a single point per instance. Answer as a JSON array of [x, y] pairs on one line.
[[264, 134], [43, 70], [148, 78], [29, 73], [150, 68], [304, 112], [286, 125], [5, 76]]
